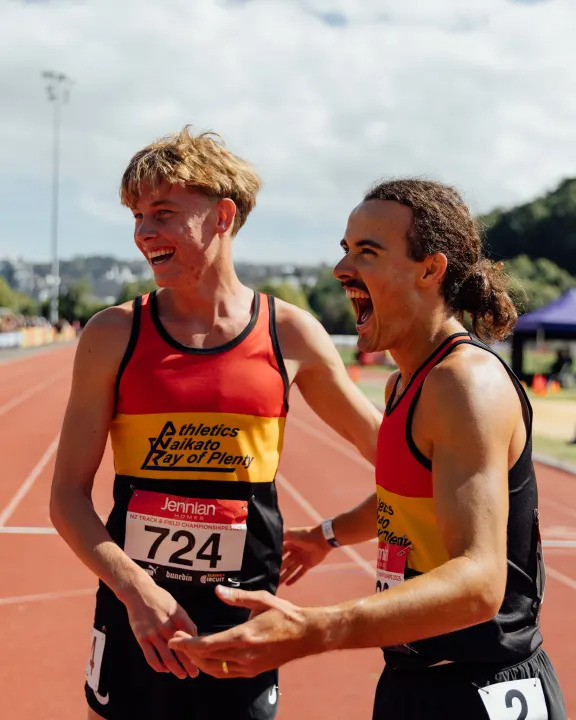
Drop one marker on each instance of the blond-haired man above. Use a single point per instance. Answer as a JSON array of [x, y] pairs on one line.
[[192, 384]]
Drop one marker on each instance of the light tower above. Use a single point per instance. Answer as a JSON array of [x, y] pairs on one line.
[[58, 87]]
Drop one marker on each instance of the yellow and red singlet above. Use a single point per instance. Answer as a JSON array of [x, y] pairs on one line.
[[410, 542], [197, 436]]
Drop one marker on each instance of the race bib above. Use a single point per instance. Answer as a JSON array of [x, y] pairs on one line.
[[191, 540], [94, 665], [515, 700], [390, 565]]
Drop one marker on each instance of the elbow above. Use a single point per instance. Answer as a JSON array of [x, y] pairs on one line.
[[54, 509], [487, 595]]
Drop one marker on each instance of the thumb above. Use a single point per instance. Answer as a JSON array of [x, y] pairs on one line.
[[254, 600]]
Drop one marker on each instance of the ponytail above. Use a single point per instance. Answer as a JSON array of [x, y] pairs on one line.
[[483, 293]]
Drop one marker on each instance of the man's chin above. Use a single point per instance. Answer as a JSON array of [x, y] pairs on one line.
[[367, 344]]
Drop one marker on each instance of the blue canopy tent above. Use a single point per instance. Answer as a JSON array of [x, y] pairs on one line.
[[556, 321]]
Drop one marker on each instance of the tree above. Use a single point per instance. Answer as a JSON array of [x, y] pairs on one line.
[[131, 290], [543, 228], [17, 301], [328, 301], [288, 292], [536, 282]]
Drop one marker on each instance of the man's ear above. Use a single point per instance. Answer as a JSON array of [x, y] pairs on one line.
[[226, 209], [433, 269]]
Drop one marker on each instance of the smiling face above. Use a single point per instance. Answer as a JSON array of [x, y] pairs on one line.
[[379, 277], [175, 228]]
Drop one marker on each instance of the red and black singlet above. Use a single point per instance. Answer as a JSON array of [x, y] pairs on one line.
[[197, 436], [409, 541]]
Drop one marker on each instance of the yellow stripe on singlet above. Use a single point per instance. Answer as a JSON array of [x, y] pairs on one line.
[[411, 520], [197, 446]]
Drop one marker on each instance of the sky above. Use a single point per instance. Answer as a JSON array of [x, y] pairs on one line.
[[324, 97]]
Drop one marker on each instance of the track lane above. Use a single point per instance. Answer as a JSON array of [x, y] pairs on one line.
[[48, 603]]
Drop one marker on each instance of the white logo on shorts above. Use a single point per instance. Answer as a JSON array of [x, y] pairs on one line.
[[102, 699], [273, 695]]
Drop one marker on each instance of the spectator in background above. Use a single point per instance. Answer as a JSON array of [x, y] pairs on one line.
[[561, 368]]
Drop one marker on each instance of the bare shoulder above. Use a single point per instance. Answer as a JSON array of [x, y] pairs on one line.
[[471, 383], [106, 335], [302, 337]]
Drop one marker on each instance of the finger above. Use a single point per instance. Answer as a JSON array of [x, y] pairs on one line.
[[199, 648], [289, 572], [183, 622], [233, 669], [151, 657], [252, 599], [169, 659], [191, 669], [294, 578]]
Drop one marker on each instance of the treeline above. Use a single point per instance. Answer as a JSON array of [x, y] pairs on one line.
[[543, 228], [534, 283], [536, 240]]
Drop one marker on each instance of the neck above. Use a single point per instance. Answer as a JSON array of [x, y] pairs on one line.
[[420, 341], [214, 292]]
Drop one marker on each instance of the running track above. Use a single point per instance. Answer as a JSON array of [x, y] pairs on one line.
[[46, 596]]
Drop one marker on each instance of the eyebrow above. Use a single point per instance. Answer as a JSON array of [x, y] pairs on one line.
[[162, 201], [366, 242]]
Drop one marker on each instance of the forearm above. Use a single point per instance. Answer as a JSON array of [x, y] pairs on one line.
[[75, 519], [454, 596], [357, 525]]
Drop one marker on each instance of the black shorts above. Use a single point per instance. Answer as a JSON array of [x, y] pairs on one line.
[[455, 691], [125, 686]]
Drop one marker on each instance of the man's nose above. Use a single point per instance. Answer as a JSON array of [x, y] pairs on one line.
[[344, 270], [145, 229]]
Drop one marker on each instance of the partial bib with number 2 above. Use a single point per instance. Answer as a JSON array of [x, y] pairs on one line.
[[515, 700], [182, 539]]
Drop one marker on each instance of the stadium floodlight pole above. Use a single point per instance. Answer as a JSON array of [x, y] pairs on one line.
[[58, 88]]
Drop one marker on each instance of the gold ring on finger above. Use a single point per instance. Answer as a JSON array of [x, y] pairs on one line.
[[225, 667]]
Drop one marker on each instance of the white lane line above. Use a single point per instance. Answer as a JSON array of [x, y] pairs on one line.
[[13, 530], [28, 482], [550, 572], [342, 445], [19, 399], [18, 599], [315, 515], [559, 543]]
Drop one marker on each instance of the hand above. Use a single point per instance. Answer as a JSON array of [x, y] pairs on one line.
[[303, 549], [154, 617], [277, 632]]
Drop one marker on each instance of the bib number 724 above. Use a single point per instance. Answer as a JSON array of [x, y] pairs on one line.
[[208, 552]]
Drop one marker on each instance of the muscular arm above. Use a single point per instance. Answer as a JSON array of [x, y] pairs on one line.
[[319, 373], [154, 615], [82, 442], [472, 414]]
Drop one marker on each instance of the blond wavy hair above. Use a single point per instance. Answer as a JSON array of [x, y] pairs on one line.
[[199, 161]]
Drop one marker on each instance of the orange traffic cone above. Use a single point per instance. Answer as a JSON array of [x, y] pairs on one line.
[[354, 372], [554, 386], [539, 385]]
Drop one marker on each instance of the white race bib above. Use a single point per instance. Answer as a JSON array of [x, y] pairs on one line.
[[186, 539], [94, 664], [515, 700]]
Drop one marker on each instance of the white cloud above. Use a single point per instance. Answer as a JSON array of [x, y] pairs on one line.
[[324, 96]]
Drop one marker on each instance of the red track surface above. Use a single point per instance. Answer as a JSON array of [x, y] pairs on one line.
[[46, 595]]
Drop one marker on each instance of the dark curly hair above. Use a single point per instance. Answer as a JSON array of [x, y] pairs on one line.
[[442, 223]]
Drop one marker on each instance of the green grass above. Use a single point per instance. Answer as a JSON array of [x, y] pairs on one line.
[[557, 449], [564, 394]]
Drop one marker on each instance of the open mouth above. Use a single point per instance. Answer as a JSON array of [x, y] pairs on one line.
[[362, 304], [160, 256]]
